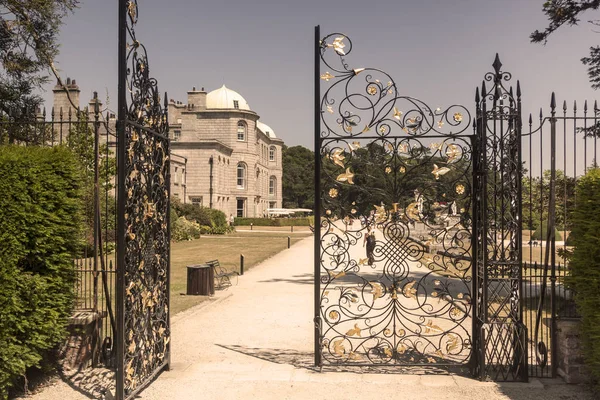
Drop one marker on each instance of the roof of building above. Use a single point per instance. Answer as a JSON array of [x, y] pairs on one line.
[[266, 129], [224, 98]]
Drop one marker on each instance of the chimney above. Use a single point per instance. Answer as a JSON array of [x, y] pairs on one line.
[[62, 101], [197, 99]]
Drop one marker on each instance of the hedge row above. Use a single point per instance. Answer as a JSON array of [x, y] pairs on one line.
[[40, 232], [584, 263], [303, 221]]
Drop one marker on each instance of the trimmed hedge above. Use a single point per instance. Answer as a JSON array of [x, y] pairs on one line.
[[541, 234], [584, 263], [302, 221], [40, 232]]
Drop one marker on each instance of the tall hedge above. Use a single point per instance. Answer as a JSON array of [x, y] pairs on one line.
[[584, 265], [40, 231], [541, 233]]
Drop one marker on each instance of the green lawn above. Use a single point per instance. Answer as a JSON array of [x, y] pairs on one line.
[[255, 246]]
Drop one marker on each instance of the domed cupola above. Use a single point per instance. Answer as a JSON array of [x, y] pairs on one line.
[[226, 99]]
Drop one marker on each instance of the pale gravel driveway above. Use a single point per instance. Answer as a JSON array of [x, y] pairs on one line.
[[256, 343]]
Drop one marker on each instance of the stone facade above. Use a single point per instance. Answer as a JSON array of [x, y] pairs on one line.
[[570, 357], [223, 157]]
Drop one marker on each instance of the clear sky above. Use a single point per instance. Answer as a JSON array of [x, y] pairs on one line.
[[437, 51]]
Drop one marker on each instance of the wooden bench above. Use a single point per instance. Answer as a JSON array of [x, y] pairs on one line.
[[222, 276]]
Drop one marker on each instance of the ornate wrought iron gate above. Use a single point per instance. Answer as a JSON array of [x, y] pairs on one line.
[[143, 243], [393, 253], [406, 205]]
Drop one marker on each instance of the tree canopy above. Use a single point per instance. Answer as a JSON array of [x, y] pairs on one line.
[[568, 12], [28, 47]]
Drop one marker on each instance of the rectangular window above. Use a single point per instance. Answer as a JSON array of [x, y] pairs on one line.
[[272, 204], [176, 176], [196, 200], [271, 153], [272, 186], [236, 104], [176, 135], [240, 207]]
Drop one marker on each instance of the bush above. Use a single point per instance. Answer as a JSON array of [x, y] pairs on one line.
[[584, 262], [541, 233], [202, 215], [40, 231], [185, 230], [301, 221]]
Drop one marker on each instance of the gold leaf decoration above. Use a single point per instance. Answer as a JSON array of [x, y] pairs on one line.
[[131, 9], [403, 148], [132, 347], [431, 360], [388, 352], [390, 147], [334, 314], [401, 349], [353, 211], [409, 291], [339, 45], [366, 129], [354, 356], [460, 189], [440, 123], [358, 70], [337, 156], [338, 347], [452, 152], [397, 114], [354, 331], [460, 296], [333, 193], [430, 327], [330, 109], [327, 76], [437, 171], [435, 146], [348, 176], [452, 343], [457, 117], [356, 145], [363, 261]]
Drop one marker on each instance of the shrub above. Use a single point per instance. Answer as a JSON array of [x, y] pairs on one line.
[[301, 221], [185, 230], [541, 233], [584, 262], [40, 231], [201, 215]]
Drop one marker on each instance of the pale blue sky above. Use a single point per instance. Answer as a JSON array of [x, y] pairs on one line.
[[437, 51]]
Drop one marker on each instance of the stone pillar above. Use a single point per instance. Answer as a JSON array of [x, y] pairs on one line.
[[569, 351]]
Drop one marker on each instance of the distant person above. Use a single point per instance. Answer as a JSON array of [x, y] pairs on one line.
[[369, 241], [231, 219]]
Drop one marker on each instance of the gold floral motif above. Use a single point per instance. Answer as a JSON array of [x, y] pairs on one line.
[[372, 90], [435, 146], [363, 261], [388, 352], [333, 193], [437, 171], [401, 349], [431, 360], [348, 176], [328, 212], [377, 290], [457, 117], [334, 314], [437, 282], [460, 189], [452, 343], [388, 170], [327, 76], [403, 148], [382, 129], [452, 152], [387, 332], [460, 296], [455, 312], [434, 294], [353, 211], [401, 332], [356, 145], [390, 147], [402, 170], [354, 331], [337, 156], [440, 123]]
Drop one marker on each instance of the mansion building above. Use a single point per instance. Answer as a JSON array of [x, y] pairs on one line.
[[222, 156]]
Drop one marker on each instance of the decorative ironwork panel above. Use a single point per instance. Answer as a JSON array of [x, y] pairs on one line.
[[144, 236], [501, 342], [393, 255]]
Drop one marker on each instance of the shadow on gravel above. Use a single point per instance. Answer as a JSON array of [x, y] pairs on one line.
[[306, 361]]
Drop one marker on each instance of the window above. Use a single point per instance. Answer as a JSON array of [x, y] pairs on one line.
[[272, 153], [240, 207], [241, 131], [272, 204], [241, 176], [176, 176], [196, 200], [272, 184], [236, 104], [176, 135]]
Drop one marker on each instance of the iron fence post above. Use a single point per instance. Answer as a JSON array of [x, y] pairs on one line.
[[317, 204], [551, 234], [121, 154]]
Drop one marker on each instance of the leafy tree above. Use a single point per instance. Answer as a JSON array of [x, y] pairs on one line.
[[567, 12], [298, 177], [28, 46]]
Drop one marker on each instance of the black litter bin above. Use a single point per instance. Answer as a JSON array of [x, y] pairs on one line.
[[200, 280]]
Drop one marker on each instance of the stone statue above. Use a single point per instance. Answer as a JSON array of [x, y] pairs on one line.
[[453, 208]]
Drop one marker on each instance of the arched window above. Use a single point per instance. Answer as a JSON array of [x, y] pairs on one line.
[[272, 186], [272, 153], [241, 176], [241, 131]]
